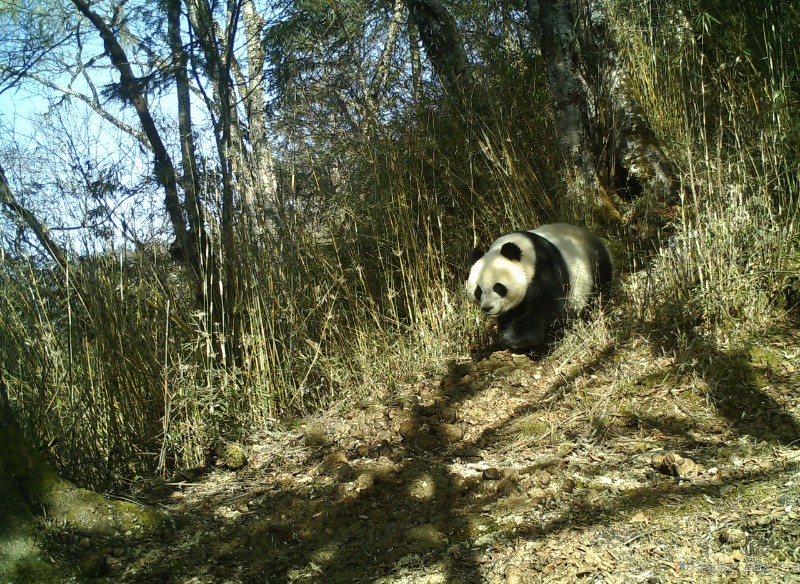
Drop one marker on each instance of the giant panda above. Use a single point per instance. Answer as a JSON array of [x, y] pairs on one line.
[[530, 282]]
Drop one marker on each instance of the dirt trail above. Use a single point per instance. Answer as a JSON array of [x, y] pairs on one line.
[[624, 467]]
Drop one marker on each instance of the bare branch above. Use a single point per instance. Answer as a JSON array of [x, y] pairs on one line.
[[42, 233], [91, 102]]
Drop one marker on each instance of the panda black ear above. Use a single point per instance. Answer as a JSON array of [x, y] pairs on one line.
[[474, 256], [511, 251]]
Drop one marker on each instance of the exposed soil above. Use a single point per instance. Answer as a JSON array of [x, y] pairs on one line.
[[626, 465]]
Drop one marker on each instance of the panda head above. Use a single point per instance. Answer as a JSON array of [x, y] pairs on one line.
[[498, 280]]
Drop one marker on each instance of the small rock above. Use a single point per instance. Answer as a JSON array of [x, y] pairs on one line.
[[733, 537], [491, 474], [315, 435], [408, 429], [451, 432], [231, 455], [542, 478], [93, 565], [363, 482]]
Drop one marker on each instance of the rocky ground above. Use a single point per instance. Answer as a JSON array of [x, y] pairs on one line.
[[625, 465]]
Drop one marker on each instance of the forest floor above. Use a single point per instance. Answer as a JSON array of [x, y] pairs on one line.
[[621, 466]]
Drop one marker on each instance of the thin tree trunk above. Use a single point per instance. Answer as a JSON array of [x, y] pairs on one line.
[[261, 192], [191, 179], [164, 168], [218, 52], [416, 61], [381, 78]]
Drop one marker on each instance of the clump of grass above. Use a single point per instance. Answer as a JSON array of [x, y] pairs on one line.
[[351, 291]]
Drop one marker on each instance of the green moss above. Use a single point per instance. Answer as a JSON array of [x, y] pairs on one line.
[[532, 427], [34, 570]]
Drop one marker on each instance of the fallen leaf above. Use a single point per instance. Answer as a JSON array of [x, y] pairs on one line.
[[639, 518]]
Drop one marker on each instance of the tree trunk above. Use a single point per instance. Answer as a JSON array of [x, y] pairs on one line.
[[604, 134], [416, 62], [262, 191], [190, 180], [164, 168], [443, 44], [381, 77], [570, 101]]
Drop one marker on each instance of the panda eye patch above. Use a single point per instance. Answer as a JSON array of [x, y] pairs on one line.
[[478, 292], [500, 290]]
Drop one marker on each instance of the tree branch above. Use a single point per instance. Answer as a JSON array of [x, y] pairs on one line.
[[7, 198], [164, 168]]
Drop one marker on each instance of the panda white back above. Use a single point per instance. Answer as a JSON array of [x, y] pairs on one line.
[[579, 248]]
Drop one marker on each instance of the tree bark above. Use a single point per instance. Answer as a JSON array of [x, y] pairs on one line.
[[263, 174], [190, 179], [416, 62], [443, 44], [603, 132], [381, 77], [570, 99]]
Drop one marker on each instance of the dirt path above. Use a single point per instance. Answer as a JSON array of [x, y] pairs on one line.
[[620, 468]]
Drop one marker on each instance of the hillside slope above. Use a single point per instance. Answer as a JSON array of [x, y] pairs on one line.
[[621, 466]]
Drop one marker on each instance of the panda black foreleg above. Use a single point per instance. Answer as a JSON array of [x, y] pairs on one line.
[[523, 333], [533, 328]]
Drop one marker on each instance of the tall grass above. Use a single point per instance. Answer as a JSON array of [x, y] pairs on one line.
[[116, 372]]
